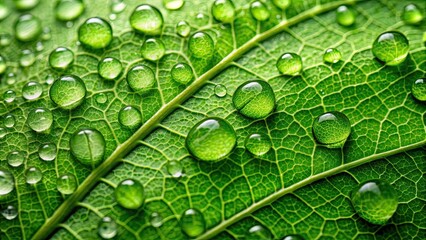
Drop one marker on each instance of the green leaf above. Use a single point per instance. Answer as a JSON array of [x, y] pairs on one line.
[[297, 187]]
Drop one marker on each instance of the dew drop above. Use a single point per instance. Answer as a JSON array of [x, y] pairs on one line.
[[101, 98], [16, 158], [130, 117], [110, 68], [254, 99], [156, 220], [259, 11], [412, 14], [223, 11], [3, 132], [3, 65], [68, 10], [40, 119], [192, 223], [293, 237], [9, 96], [49, 79], [258, 144], [153, 49], [418, 89], [107, 228], [375, 201], [183, 29], [66, 184], [9, 121], [283, 4], [46, 34], [39, 46], [211, 139], [345, 16], [61, 58], [10, 78], [141, 78], [68, 92], [182, 73], [32, 91], [27, 58], [117, 6], [201, 45], [27, 28], [25, 4], [130, 194], [220, 90], [9, 212], [175, 168], [259, 232], [391, 48], [147, 19], [47, 152], [95, 33], [332, 55], [88, 146], [33, 175], [290, 64], [332, 129], [5, 39], [7, 183], [4, 10], [173, 4]]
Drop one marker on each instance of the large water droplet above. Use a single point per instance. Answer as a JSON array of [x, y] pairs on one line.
[[33, 175], [107, 228], [147, 19], [220, 90], [68, 92], [259, 232], [130, 194], [153, 49], [211, 139], [27, 28], [66, 184], [16, 158], [25, 4], [412, 14], [290, 64], [4, 10], [201, 45], [32, 90], [9, 96], [332, 129], [254, 99], [9, 121], [10, 212], [418, 89], [47, 152], [375, 201], [7, 183], [95, 33], [175, 168], [156, 220], [183, 29], [259, 11], [258, 144], [88, 146], [223, 11], [192, 223], [61, 58], [141, 78], [182, 73], [110, 68], [283, 4], [27, 58], [67, 10], [391, 48], [173, 4], [332, 55], [345, 16], [293, 237], [3, 65], [40, 119], [130, 117]]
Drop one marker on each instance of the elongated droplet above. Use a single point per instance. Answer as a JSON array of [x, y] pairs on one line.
[[223, 11], [332, 129], [47, 152], [220, 90], [9, 96], [66, 184], [27, 58], [3, 65], [10, 212], [68, 92], [40, 119], [175, 168], [192, 223], [9, 121], [141, 78], [3, 132], [293, 237], [258, 144], [412, 14], [61, 58], [345, 16], [117, 6], [88, 146], [110, 68], [183, 29], [130, 194], [290, 64], [4, 10], [283, 4], [182, 73], [33, 175], [375, 201], [173, 4], [332, 55], [130, 116], [156, 220], [259, 232], [27, 28], [153, 49], [201, 45], [107, 228], [46, 34], [418, 89], [68, 10], [211, 139], [32, 90], [25, 4], [95, 33], [391, 48], [254, 99], [5, 39], [147, 19], [7, 183], [16, 158], [259, 11], [10, 78]]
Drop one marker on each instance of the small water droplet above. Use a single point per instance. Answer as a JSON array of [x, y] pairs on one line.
[[32, 91], [27, 58], [332, 55], [11, 78], [156, 220], [153, 49], [88, 146], [33, 175], [259, 11], [130, 194], [9, 96], [4, 10], [9, 212], [27, 28], [40, 119], [49, 79], [3, 132], [101, 98], [345, 16], [332, 129], [147, 19], [69, 24], [46, 34], [258, 144], [182, 73], [117, 6], [201, 45], [192, 223], [47, 152], [68, 92], [223, 11], [173, 4], [290, 64], [25, 4], [141, 78], [3, 65], [7, 183], [183, 29], [412, 14], [259, 232], [67, 10], [110, 68], [107, 228], [95, 33], [201, 19], [220, 90], [9, 121], [39, 46], [16, 158], [283, 4], [61, 58], [391, 48], [130, 117], [5, 39], [418, 89], [175, 168], [66, 184], [293, 237]]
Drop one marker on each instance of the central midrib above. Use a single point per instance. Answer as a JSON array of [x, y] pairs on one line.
[[122, 150]]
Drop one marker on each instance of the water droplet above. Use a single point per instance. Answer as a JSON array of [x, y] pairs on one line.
[[3, 65], [4, 10], [5, 39], [33, 175], [101, 98], [175, 168], [332, 55], [9, 121], [9, 96], [7, 183], [110, 68], [201, 19], [259, 232], [107, 228], [130, 117], [9, 212], [25, 4], [201, 45], [147, 19], [70, 24], [259, 11], [3, 132], [88, 146], [183, 29], [49, 79], [40, 119], [418, 89], [66, 184], [27, 58], [173, 4], [61, 58], [47, 152], [46, 34], [95, 33], [10, 78], [412, 14], [141, 78], [345, 16], [27, 28], [32, 90], [375, 201], [211, 139], [283, 4], [68, 92], [192, 223], [290, 64], [16, 158], [391, 48], [220, 90], [254, 99], [223, 11], [39, 46], [156, 220], [117, 6], [67, 10], [332, 129], [258, 144], [130, 194], [293, 237], [153, 49], [182, 73]]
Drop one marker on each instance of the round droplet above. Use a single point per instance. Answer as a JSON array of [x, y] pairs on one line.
[[101, 98], [107, 228], [141, 78], [32, 90], [412, 14], [3, 65], [40, 119], [332, 129], [88, 146], [46, 34], [259, 232], [25, 4], [66, 184], [223, 11], [9, 212], [293, 237], [220, 90], [192, 223], [27, 58], [201, 45], [147, 19], [9, 96], [130, 117], [258, 144], [332, 55], [7, 183], [33, 175], [130, 194], [47, 152], [95, 33], [345, 16], [418, 89], [5, 39], [16, 158], [175, 168], [290, 64], [375, 201], [61, 58], [254, 99], [117, 6], [201, 20], [39, 46], [259, 11], [9, 121], [183, 29], [211, 139], [49, 79], [156, 220], [182, 73], [10, 78], [67, 10], [3, 132], [68, 92], [4, 10], [391, 48], [173, 4], [27, 28], [283, 4], [110, 68], [153, 49]]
